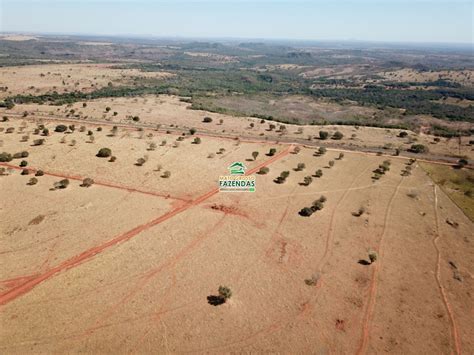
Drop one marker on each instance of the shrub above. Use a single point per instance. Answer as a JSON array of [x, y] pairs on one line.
[[39, 173], [166, 174], [317, 205], [87, 182], [254, 155], [341, 155], [263, 170], [207, 120], [359, 212], [104, 153], [25, 172], [23, 163], [197, 140], [271, 152], [5, 157], [135, 118], [152, 146], [112, 158], [33, 181], [45, 132], [99, 129], [323, 135], [402, 134], [192, 131], [337, 135], [322, 199], [300, 167], [60, 128], [307, 180], [306, 212], [372, 256], [321, 151], [224, 293], [331, 163], [61, 184], [140, 161], [418, 148], [296, 150], [318, 173], [10, 130]]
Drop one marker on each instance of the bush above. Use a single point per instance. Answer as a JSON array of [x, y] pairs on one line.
[[306, 212], [45, 132], [104, 153], [61, 184], [112, 158], [140, 161], [341, 155], [254, 155], [166, 174], [402, 134], [323, 135], [307, 180], [152, 146], [359, 213], [207, 120], [23, 163], [25, 172], [264, 170], [87, 182], [197, 140], [5, 157], [38, 142], [321, 151], [331, 163], [33, 181], [418, 148], [192, 131], [372, 256], [271, 152], [300, 167], [224, 293], [60, 128], [337, 135], [39, 173], [318, 173], [135, 118]]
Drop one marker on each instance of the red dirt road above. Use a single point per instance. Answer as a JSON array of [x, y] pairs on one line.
[[22, 288]]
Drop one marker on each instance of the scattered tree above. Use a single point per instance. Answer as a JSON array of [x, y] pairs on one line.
[[337, 135], [166, 174], [323, 135], [104, 153], [225, 293], [254, 155], [263, 170], [271, 152], [207, 120], [318, 173], [300, 167], [33, 181], [372, 256], [62, 184], [87, 182]]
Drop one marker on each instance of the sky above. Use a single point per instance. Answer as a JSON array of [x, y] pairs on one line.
[[433, 21]]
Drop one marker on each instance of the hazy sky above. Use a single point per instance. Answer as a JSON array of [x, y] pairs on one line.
[[382, 20]]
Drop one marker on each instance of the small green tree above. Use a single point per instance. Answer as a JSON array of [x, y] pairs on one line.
[[323, 135], [337, 135], [197, 140], [87, 182], [300, 167], [254, 155], [331, 163], [318, 173], [263, 170], [271, 152], [307, 180], [224, 293], [33, 181], [104, 153], [372, 256]]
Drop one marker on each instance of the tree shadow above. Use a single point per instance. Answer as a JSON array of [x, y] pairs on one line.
[[364, 262], [215, 300]]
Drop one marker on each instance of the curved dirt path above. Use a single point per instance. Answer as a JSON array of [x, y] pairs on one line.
[[444, 296], [373, 287]]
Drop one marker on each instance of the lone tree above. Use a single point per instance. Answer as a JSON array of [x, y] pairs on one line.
[[323, 135], [263, 170], [33, 181], [60, 128], [254, 155], [300, 167], [307, 180], [372, 256], [61, 184], [225, 293], [87, 182], [104, 153]]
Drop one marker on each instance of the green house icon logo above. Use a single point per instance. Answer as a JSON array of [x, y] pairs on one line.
[[237, 168]]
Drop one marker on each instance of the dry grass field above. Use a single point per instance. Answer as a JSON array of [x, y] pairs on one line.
[[127, 265], [170, 112]]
